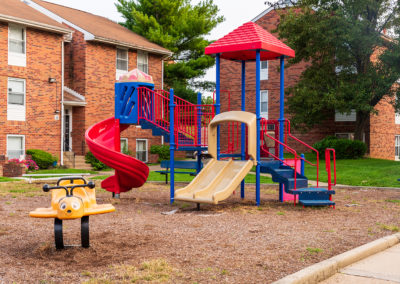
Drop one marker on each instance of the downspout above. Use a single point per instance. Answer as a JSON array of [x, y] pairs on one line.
[[62, 103]]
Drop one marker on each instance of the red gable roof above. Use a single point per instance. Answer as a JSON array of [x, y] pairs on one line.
[[242, 43]]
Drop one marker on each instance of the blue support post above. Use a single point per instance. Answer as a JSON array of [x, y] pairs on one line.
[[302, 164], [258, 106], [281, 117], [171, 145], [217, 100], [243, 126], [281, 107], [198, 132]]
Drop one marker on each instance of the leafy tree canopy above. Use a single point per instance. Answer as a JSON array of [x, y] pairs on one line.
[[352, 64], [180, 27]]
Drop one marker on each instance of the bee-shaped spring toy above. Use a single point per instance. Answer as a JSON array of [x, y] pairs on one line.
[[72, 198]]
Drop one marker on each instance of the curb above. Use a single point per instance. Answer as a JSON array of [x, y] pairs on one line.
[[327, 268]]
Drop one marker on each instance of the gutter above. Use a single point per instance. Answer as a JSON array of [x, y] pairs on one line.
[[130, 45], [36, 25]]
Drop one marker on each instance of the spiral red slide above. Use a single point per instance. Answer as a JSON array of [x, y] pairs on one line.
[[103, 140]]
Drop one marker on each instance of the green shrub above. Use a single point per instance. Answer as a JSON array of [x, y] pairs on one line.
[[344, 148], [42, 158], [96, 164], [161, 150]]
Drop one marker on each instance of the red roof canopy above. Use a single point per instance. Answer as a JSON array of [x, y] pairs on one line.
[[242, 43]]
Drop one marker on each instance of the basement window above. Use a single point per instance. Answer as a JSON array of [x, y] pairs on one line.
[[141, 150]]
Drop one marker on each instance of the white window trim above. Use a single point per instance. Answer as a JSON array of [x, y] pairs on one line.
[[120, 72], [264, 72], [397, 117], [147, 149], [16, 108], [264, 114], [147, 60], [23, 143], [352, 116], [396, 158], [16, 59], [350, 135], [127, 144]]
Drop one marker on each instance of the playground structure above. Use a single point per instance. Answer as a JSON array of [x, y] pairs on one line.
[[72, 198], [196, 127]]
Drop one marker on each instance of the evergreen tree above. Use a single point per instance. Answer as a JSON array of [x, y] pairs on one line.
[[352, 64], [180, 27]]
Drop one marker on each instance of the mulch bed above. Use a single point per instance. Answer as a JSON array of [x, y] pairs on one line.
[[234, 242]]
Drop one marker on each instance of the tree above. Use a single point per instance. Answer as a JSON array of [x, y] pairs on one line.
[[352, 64], [180, 27]]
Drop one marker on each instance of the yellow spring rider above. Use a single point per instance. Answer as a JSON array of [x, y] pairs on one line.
[[72, 198]]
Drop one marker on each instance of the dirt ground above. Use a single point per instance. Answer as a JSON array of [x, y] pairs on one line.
[[234, 242]]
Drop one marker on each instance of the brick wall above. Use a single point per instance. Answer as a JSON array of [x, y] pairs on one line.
[[40, 128], [383, 130]]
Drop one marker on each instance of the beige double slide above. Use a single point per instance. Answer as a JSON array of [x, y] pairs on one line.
[[218, 179]]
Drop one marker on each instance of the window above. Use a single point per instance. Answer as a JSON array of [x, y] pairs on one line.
[[122, 62], [397, 147], [397, 118], [141, 150], [264, 104], [345, 116], [124, 145], [16, 99], [142, 62], [15, 146], [264, 70], [16, 46], [349, 136]]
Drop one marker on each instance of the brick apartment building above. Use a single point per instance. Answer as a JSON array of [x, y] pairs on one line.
[[30, 60], [69, 78], [382, 134]]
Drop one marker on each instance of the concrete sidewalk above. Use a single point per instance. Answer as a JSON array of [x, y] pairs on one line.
[[383, 267], [374, 262]]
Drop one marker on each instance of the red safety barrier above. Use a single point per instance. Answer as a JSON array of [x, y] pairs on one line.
[[190, 120]]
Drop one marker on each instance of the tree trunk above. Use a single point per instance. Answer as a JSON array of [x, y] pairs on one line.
[[361, 123]]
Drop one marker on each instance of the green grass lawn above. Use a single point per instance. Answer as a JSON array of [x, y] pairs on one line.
[[4, 179], [361, 172], [154, 176], [62, 171]]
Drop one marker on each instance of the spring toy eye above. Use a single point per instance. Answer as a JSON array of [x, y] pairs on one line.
[[75, 205], [63, 206]]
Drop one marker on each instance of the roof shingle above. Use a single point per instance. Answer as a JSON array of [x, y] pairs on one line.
[[102, 28], [17, 11]]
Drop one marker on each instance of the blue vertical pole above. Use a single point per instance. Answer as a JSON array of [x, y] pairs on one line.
[[258, 70], [243, 129], [302, 164], [217, 101], [282, 107], [171, 145], [198, 132], [281, 117]]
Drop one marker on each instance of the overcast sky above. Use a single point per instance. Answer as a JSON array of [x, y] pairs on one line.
[[236, 12]]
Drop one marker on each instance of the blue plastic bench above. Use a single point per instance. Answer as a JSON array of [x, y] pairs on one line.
[[193, 165]]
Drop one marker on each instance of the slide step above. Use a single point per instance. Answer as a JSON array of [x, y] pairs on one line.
[[313, 190], [316, 202]]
